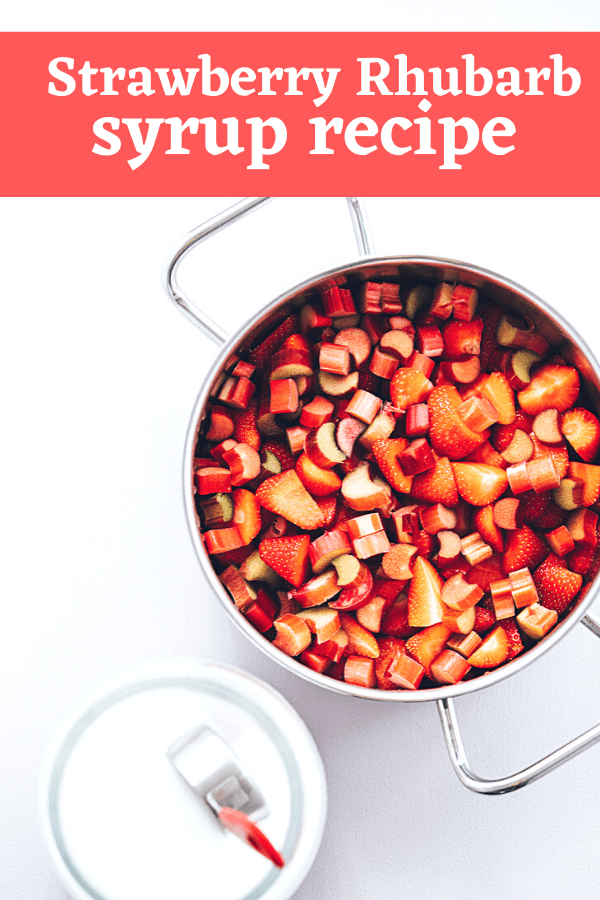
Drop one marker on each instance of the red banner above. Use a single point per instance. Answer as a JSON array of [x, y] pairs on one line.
[[375, 114]]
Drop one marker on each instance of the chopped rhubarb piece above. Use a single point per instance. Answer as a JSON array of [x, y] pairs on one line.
[[508, 513], [459, 594], [523, 588], [536, 621], [462, 370], [244, 462], [317, 412], [416, 423], [543, 474], [399, 344], [397, 560], [546, 427], [266, 422], [360, 671], [334, 648], [323, 621], [520, 448], [293, 635], [334, 358], [217, 510], [327, 547], [349, 570], [338, 302], [371, 545], [590, 476], [261, 620], [364, 525], [449, 667], [437, 518], [241, 592], [582, 525], [513, 332], [416, 458], [441, 304], [502, 599], [317, 590], [406, 520], [266, 601], [296, 437], [311, 319], [338, 385], [364, 406], [358, 343], [478, 413], [254, 569], [361, 493], [289, 363], [450, 548], [518, 478], [218, 450], [464, 302], [560, 540], [405, 672], [380, 428], [370, 616], [492, 652], [474, 549], [314, 661], [465, 644], [212, 480], [243, 369], [421, 363], [284, 396], [384, 365], [517, 368], [375, 326], [221, 424], [320, 446], [379, 298], [347, 431], [429, 340], [360, 641], [459, 622]]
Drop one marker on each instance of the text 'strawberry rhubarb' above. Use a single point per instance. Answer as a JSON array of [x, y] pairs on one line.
[[399, 485]]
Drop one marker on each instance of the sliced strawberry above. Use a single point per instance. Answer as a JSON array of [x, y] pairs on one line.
[[487, 528], [590, 476], [245, 429], [388, 647], [582, 430], [437, 485], [425, 605], [288, 556], [499, 392], [285, 495], [552, 517], [448, 433], [533, 506], [386, 453], [524, 549], [261, 355], [317, 481], [395, 619], [408, 387], [502, 435], [581, 559], [279, 449], [478, 483], [360, 641], [493, 651], [427, 645], [552, 387], [246, 515], [461, 337], [556, 585], [486, 572], [515, 644], [328, 507], [484, 620], [486, 454]]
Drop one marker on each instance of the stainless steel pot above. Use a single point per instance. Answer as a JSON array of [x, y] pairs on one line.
[[406, 270]]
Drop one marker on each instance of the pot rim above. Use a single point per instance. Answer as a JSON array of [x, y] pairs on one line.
[[293, 665]]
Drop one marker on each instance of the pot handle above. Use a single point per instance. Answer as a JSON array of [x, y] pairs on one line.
[[531, 773], [218, 223]]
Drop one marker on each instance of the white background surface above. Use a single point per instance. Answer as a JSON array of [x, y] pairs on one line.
[[100, 373]]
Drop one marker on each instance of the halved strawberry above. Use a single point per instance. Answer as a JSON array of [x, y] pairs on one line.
[[478, 483], [285, 495], [493, 651], [524, 549], [425, 605], [437, 485], [484, 620], [533, 506], [487, 528], [395, 619], [448, 433], [515, 644], [288, 556], [279, 449], [486, 454], [386, 453], [317, 481], [499, 392], [408, 387], [461, 337], [245, 429], [556, 585], [486, 572], [360, 641], [502, 435], [552, 387], [246, 514], [328, 507], [426, 645], [388, 647], [552, 517], [582, 430], [581, 559]]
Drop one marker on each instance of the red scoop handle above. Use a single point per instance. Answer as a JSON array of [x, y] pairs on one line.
[[239, 824]]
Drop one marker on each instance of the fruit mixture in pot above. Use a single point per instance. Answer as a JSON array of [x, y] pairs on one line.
[[398, 487]]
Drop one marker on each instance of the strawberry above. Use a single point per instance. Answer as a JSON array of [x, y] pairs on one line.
[[437, 485], [590, 476], [395, 619], [328, 507], [492, 652], [515, 644], [484, 620], [427, 645], [552, 517], [486, 454], [552, 387], [288, 556], [491, 315], [533, 506], [487, 528], [425, 605], [245, 429], [285, 495], [559, 454], [582, 430], [261, 355], [502, 435], [360, 641], [478, 483], [388, 647], [234, 557], [279, 449], [581, 559], [499, 392], [556, 585], [486, 572], [409, 387], [386, 453], [524, 549], [246, 514], [317, 481], [461, 337], [448, 433]]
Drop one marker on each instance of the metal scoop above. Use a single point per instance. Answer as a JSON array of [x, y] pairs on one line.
[[214, 772]]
